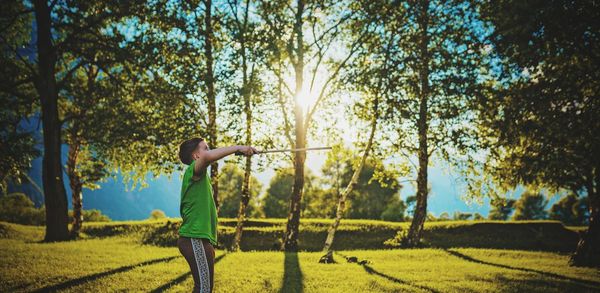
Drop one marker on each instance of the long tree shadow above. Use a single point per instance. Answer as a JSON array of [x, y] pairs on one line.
[[372, 271], [585, 283], [84, 279], [181, 278], [292, 274]]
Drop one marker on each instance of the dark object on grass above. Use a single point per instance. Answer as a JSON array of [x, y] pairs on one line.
[[352, 259], [327, 258]]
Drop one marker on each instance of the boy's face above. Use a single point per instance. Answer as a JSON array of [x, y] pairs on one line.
[[202, 147]]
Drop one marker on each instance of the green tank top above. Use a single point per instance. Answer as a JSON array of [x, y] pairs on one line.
[[197, 207]]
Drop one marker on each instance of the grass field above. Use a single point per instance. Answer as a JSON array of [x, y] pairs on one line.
[[122, 263]]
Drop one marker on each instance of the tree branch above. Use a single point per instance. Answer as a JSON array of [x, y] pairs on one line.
[[325, 87], [31, 69], [68, 75]]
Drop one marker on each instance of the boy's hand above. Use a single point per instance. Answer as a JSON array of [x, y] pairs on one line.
[[246, 150]]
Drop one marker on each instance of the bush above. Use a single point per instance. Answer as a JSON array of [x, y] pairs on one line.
[[478, 217], [523, 235], [91, 216], [157, 214], [460, 216], [360, 234], [18, 208]]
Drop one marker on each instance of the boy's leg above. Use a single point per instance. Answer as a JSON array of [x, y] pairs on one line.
[[186, 249], [200, 255], [204, 259], [210, 259]]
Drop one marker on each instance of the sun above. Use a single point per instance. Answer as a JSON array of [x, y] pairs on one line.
[[306, 98]]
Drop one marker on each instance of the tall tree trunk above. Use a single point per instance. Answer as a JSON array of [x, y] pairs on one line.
[[588, 248], [247, 95], [54, 190], [211, 97], [341, 206], [75, 184], [420, 214], [243, 206], [290, 238]]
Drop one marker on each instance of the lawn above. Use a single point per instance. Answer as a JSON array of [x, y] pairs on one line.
[[121, 263]]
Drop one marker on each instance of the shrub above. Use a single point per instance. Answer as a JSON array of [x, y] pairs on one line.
[[157, 214], [18, 208], [91, 216], [360, 234]]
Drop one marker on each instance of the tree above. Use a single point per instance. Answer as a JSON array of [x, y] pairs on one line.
[[297, 31], [182, 42], [150, 119], [371, 196], [211, 95], [275, 202], [478, 217], [410, 205], [231, 182], [55, 197], [542, 116], [247, 60], [394, 211], [17, 145], [501, 208], [571, 210], [277, 194], [530, 206], [436, 64], [97, 81], [372, 191]]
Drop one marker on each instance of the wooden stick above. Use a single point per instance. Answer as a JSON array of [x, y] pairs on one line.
[[287, 150], [294, 150]]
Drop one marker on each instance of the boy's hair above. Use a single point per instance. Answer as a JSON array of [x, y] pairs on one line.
[[186, 149]]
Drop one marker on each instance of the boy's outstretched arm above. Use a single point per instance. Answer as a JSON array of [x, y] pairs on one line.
[[207, 157]]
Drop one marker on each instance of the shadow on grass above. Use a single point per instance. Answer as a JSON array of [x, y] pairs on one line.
[[292, 274], [584, 283], [79, 281], [372, 271], [181, 278]]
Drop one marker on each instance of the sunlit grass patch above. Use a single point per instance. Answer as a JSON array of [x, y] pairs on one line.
[[121, 263]]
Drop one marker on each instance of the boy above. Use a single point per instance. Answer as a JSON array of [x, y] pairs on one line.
[[198, 231]]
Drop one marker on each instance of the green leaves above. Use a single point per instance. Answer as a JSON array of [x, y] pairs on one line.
[[542, 114]]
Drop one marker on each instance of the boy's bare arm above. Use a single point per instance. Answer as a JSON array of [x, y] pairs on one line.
[[208, 157]]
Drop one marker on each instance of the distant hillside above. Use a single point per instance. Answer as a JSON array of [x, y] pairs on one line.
[[113, 199]]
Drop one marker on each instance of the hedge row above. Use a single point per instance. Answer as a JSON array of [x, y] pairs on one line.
[[360, 234]]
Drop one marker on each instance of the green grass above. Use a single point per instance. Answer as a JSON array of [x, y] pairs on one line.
[[122, 263]]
